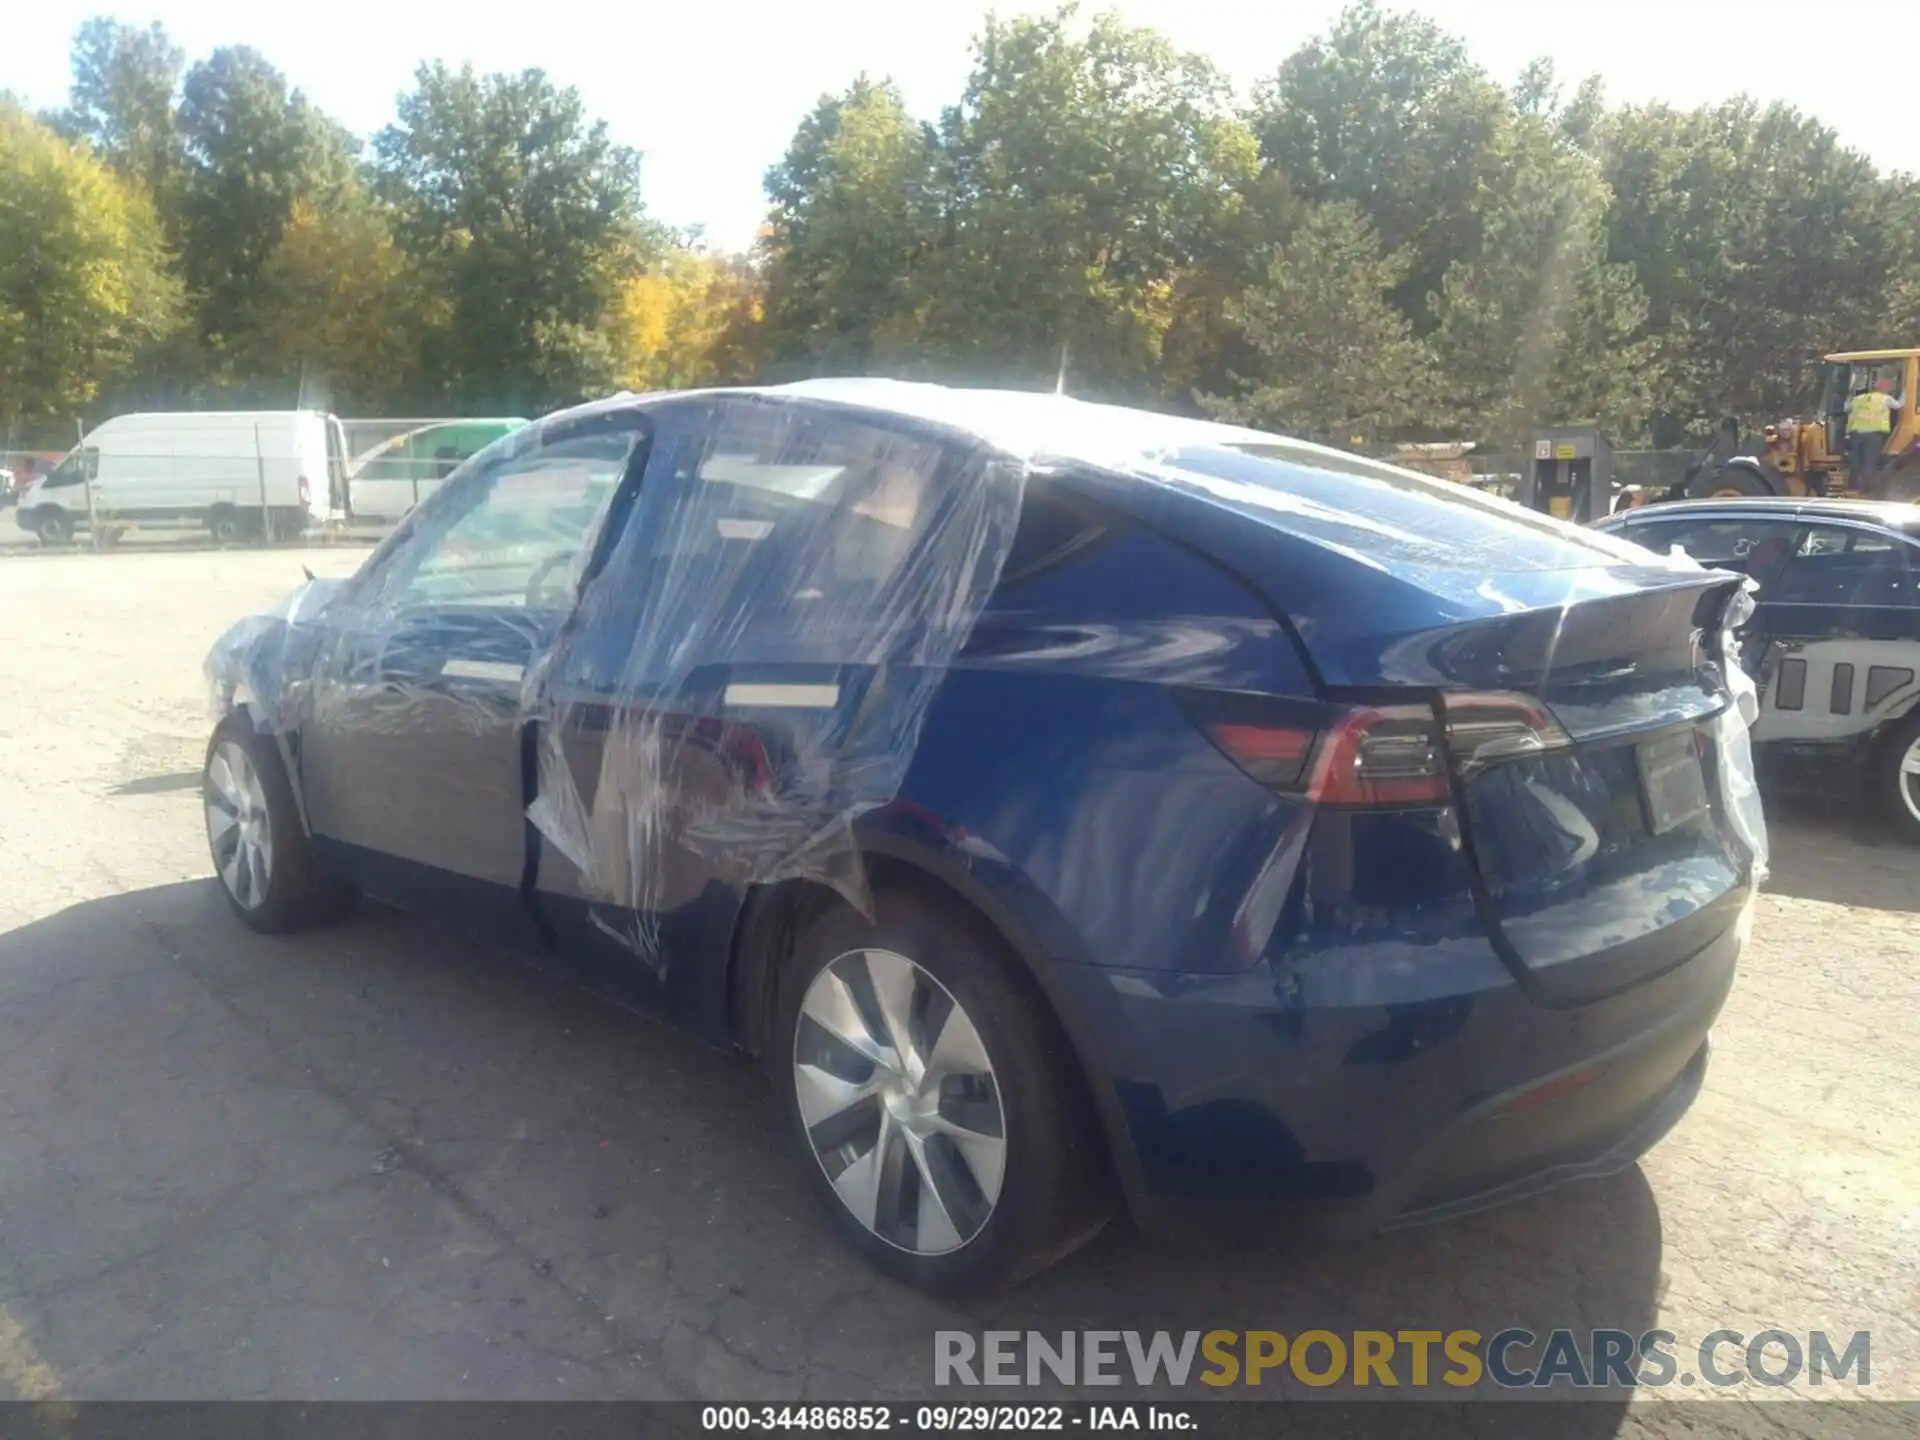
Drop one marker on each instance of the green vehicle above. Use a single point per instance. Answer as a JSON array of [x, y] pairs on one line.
[[387, 481]]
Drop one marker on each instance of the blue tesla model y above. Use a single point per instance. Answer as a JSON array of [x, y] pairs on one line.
[[1076, 811]]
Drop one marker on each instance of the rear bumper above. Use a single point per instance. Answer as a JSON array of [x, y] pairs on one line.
[[1613, 1156], [1269, 1117]]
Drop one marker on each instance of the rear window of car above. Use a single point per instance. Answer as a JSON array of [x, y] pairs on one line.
[[1384, 515]]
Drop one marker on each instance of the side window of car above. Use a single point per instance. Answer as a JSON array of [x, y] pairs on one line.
[[1760, 548], [514, 533], [1842, 565], [790, 534], [792, 519]]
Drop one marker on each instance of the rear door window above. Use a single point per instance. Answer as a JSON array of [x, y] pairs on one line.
[[777, 531], [1759, 547], [1840, 565]]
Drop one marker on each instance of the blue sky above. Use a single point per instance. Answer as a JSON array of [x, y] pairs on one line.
[[710, 93]]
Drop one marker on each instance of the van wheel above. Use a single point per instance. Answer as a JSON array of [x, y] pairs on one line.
[[941, 1120], [223, 524], [260, 852], [54, 527], [1897, 778]]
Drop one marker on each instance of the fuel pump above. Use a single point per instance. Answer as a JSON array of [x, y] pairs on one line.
[[1571, 475]]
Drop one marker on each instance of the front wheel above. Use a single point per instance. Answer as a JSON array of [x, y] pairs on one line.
[[1897, 778], [943, 1123], [54, 527], [259, 847]]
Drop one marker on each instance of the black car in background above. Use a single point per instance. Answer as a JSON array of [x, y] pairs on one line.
[[1834, 641]]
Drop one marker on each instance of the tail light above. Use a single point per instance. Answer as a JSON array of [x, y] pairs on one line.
[[1393, 756], [305, 493], [1381, 757]]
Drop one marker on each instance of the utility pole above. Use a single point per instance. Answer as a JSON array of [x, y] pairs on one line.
[[1060, 381]]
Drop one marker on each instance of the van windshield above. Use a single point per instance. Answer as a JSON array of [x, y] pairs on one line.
[[78, 466]]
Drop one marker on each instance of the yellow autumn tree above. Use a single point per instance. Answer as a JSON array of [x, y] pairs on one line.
[[694, 320], [85, 281], [338, 306]]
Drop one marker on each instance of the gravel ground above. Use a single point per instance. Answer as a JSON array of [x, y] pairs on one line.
[[372, 1162]]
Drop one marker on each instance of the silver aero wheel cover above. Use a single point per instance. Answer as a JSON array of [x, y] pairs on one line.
[[899, 1101], [1909, 779], [238, 827]]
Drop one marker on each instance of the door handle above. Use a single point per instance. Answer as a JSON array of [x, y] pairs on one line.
[[748, 695], [506, 672]]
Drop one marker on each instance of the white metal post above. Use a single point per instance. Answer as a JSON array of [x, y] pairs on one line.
[[260, 468]]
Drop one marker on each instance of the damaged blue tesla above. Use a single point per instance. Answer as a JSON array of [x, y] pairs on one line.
[[1076, 811]]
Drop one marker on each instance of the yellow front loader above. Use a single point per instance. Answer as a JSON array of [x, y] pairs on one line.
[[1809, 457]]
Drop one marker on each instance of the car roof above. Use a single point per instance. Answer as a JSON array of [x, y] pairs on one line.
[[1892, 514], [1032, 425]]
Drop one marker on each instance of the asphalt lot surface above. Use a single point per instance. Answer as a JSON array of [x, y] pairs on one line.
[[373, 1162]]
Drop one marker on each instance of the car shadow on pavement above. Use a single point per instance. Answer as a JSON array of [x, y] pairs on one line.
[[377, 1161], [1826, 850], [159, 784]]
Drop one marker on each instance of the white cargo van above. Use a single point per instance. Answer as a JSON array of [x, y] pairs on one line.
[[235, 473]]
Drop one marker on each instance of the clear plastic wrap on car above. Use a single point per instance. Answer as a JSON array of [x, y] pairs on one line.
[[747, 672], [719, 664], [1740, 789]]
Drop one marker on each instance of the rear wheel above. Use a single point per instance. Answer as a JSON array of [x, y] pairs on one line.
[[1898, 778], [260, 851], [943, 1123], [223, 525]]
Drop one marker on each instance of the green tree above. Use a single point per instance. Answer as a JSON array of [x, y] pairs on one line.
[[526, 217], [1390, 113], [122, 99], [1337, 361], [336, 314], [1761, 243], [849, 221], [84, 283], [1083, 174], [1495, 201], [1536, 327], [254, 149]]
